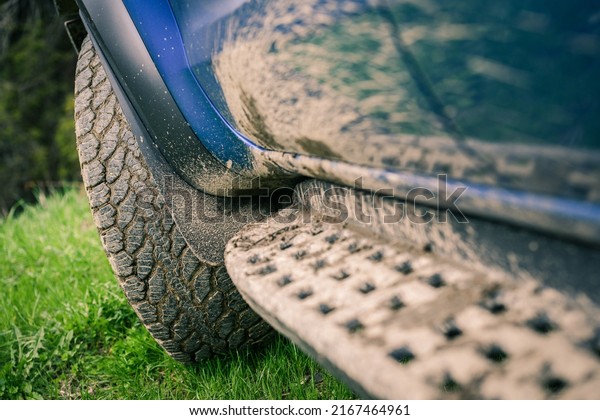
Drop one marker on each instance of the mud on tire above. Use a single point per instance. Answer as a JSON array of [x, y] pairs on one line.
[[192, 309]]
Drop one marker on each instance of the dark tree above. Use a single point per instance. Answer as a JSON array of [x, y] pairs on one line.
[[37, 146]]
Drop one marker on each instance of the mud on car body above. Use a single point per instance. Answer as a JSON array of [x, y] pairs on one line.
[[416, 184]]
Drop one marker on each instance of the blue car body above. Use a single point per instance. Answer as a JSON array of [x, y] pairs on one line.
[[502, 99]]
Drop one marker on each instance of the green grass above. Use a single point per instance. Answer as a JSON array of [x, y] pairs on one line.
[[66, 330]]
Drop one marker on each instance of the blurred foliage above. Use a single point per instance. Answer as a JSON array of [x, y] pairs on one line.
[[37, 66]]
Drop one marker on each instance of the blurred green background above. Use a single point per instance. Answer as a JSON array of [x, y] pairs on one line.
[[37, 67]]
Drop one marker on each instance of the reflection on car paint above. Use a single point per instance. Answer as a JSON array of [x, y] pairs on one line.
[[424, 86]]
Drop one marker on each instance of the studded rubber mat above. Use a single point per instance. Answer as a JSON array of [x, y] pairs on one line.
[[398, 322]]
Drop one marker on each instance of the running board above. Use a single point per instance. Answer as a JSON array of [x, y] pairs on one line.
[[396, 320]]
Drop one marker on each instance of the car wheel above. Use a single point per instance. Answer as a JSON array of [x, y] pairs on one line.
[[191, 308]]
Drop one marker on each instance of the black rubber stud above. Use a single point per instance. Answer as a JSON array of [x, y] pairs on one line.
[[495, 353], [285, 245], [449, 384], [284, 281], [436, 281], [342, 275], [367, 288], [378, 256], [300, 254], [315, 229], [331, 239], [402, 355], [493, 303], [320, 264], [303, 294], [354, 325], [451, 330], [325, 308], [353, 247], [396, 303], [541, 323], [553, 384], [405, 268], [267, 269]]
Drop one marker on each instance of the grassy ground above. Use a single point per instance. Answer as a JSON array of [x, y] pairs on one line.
[[66, 330]]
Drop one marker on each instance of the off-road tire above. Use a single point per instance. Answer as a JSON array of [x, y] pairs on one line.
[[192, 309]]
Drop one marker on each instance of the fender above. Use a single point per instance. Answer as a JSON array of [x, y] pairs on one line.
[[141, 88]]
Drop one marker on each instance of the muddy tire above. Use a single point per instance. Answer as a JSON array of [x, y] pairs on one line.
[[191, 308]]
